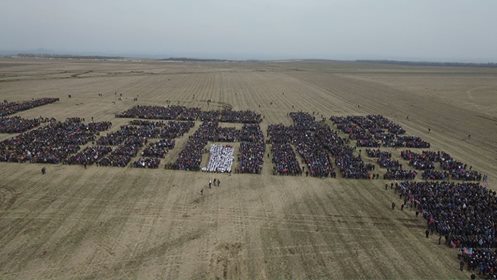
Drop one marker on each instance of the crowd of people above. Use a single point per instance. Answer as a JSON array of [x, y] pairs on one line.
[[17, 124], [172, 112], [482, 261], [158, 149], [221, 159], [315, 142], [431, 174], [377, 153], [89, 155], [388, 163], [400, 174], [9, 108], [231, 116], [146, 162], [123, 154], [190, 157], [225, 134], [464, 213], [375, 131], [252, 149], [175, 112], [51, 143], [423, 161], [451, 168]]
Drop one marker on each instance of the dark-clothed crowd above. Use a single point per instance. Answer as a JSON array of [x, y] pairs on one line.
[[183, 113], [17, 124], [463, 214], [376, 131], [51, 143], [252, 148], [9, 108]]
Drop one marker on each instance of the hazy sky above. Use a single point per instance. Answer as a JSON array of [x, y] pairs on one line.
[[441, 30]]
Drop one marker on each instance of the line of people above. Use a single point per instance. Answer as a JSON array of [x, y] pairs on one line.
[[9, 108]]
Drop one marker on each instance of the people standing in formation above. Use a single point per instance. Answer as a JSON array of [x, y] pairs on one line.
[[9, 108], [17, 124], [52, 143], [376, 131], [221, 158], [190, 114], [464, 214]]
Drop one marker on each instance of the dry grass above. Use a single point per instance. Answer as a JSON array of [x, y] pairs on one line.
[[112, 223]]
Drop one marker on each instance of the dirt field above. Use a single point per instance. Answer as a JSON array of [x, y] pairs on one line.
[[124, 223]]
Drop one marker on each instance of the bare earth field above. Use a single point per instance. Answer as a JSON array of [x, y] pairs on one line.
[[125, 223]]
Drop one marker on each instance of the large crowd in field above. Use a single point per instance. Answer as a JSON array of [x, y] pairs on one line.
[[189, 114], [463, 214], [307, 147], [17, 124], [252, 148], [221, 158], [51, 143], [9, 108], [375, 131]]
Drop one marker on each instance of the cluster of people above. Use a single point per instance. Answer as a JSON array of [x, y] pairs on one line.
[[144, 129], [158, 149], [431, 174], [375, 131], [190, 157], [410, 142], [231, 116], [451, 168], [304, 136], [389, 163], [51, 143], [400, 174], [225, 134], [252, 149], [183, 113], [161, 112], [89, 155], [284, 159], [463, 213], [146, 162], [423, 161], [377, 153], [221, 159], [457, 169], [9, 108], [17, 124], [482, 261], [123, 154]]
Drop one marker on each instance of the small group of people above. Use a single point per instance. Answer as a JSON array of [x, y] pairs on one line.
[[9, 108]]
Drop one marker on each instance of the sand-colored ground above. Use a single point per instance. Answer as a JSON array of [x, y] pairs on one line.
[[113, 223]]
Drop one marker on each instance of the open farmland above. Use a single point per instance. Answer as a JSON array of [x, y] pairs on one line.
[[126, 223]]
